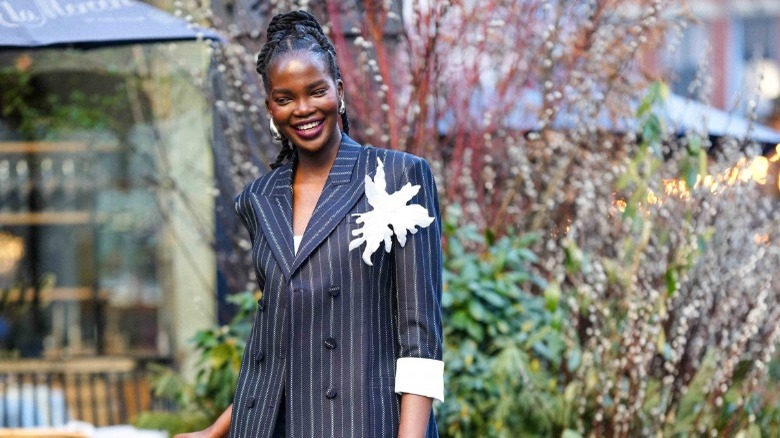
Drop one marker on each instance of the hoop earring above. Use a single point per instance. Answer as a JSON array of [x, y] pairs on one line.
[[274, 131], [342, 106]]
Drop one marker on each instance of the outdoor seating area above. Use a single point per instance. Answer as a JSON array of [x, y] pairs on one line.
[[40, 433], [100, 391]]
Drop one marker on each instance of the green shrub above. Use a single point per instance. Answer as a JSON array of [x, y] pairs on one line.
[[504, 347]]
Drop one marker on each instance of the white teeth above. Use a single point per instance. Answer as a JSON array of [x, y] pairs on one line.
[[309, 126]]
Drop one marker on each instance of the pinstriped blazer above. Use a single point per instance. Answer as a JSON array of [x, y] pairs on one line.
[[329, 328]]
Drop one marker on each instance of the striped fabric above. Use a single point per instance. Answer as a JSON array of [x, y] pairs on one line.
[[329, 328]]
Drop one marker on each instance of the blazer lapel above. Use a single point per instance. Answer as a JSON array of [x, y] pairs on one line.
[[274, 211], [345, 185]]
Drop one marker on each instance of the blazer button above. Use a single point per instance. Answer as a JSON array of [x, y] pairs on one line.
[[259, 355], [331, 393], [330, 343], [334, 291], [250, 403]]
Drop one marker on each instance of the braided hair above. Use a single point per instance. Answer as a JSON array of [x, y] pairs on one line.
[[288, 32]]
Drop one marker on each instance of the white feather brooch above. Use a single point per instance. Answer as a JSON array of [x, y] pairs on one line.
[[390, 215]]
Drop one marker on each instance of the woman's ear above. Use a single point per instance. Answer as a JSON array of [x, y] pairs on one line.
[[340, 88]]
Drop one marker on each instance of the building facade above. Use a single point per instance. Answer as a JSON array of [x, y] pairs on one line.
[[729, 44]]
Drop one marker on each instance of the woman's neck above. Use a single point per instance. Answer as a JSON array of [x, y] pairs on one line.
[[316, 166]]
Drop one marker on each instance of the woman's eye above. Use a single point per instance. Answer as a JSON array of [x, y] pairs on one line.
[[281, 100], [320, 92]]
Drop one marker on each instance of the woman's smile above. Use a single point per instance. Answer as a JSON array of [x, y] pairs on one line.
[[309, 130]]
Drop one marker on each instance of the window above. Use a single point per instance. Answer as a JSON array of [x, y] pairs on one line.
[[96, 161], [685, 60]]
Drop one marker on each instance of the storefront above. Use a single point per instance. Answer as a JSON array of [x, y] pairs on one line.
[[105, 200], [106, 206]]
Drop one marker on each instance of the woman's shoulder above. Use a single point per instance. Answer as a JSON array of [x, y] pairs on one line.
[[263, 183], [392, 158]]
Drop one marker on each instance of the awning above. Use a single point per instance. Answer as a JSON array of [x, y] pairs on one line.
[[90, 23]]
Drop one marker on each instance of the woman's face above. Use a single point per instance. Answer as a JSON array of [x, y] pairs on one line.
[[303, 101]]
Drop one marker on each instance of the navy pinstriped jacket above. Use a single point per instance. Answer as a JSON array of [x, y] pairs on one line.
[[329, 328]]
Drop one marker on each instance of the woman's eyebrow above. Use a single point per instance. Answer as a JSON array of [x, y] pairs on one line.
[[316, 84], [312, 85]]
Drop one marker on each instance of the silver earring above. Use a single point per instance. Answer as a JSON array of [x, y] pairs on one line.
[[342, 106], [274, 131]]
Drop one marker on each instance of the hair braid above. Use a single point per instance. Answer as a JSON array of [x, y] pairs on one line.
[[286, 152], [345, 121], [297, 30]]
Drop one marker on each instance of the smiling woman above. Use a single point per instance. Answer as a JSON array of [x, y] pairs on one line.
[[344, 343], [302, 79]]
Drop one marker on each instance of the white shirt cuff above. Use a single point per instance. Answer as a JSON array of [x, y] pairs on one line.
[[415, 375]]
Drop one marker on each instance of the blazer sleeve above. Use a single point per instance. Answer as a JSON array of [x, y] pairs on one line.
[[245, 212], [418, 279]]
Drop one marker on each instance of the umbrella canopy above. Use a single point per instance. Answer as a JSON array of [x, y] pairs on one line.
[[89, 24]]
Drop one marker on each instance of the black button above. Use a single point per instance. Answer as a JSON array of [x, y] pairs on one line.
[[299, 290], [330, 343], [331, 393], [250, 403], [261, 304], [334, 291], [259, 355]]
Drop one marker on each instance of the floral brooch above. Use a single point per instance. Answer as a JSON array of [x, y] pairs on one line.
[[390, 215]]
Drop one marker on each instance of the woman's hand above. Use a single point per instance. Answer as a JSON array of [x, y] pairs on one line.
[[219, 429], [202, 434]]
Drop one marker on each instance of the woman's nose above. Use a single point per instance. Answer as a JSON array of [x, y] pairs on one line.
[[303, 107]]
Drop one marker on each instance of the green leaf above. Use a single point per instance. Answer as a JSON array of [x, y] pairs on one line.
[[703, 162], [694, 145], [573, 359], [477, 311], [526, 254], [490, 237], [573, 259], [475, 331], [220, 355], [460, 320], [671, 281], [495, 299], [552, 296], [651, 133]]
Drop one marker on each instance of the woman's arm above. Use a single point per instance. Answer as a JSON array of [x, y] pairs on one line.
[[417, 269], [415, 412], [219, 429]]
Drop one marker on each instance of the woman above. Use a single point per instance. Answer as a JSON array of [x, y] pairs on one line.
[[347, 339]]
